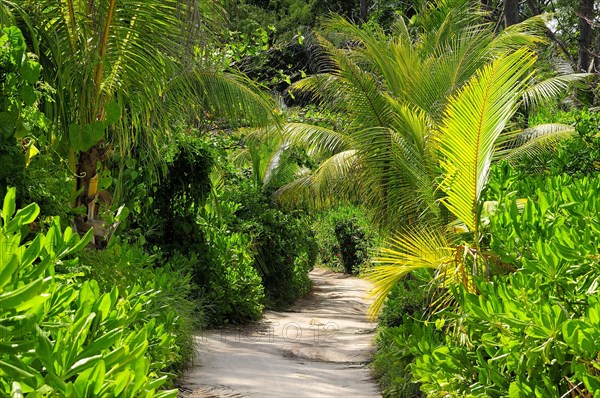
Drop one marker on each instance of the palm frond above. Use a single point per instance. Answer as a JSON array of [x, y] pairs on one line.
[[534, 141], [472, 123], [406, 252], [526, 34], [320, 139], [328, 182], [361, 92], [234, 97], [551, 88]]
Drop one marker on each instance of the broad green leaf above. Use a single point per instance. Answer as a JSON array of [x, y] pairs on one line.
[[30, 71], [9, 206], [112, 112], [592, 383], [156, 383], [83, 242], [8, 121], [32, 252], [14, 372], [15, 37], [28, 95], [84, 137], [116, 357], [167, 394], [102, 344], [22, 296], [122, 380], [78, 332], [122, 213], [7, 269], [28, 214], [45, 349], [83, 365], [141, 367], [97, 375]]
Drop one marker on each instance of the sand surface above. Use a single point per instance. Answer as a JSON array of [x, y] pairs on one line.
[[318, 348]]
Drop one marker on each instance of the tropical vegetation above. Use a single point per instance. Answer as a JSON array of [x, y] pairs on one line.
[[168, 166]]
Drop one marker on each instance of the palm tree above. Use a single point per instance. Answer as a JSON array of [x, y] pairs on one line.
[[126, 72], [431, 107], [395, 89]]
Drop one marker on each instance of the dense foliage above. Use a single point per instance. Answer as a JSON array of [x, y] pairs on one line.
[[457, 129], [345, 239], [524, 333], [66, 337]]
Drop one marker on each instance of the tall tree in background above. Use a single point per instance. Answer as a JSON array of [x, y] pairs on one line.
[[586, 18], [364, 10], [511, 12]]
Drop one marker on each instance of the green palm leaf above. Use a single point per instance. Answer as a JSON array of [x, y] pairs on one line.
[[408, 251], [534, 141], [472, 123]]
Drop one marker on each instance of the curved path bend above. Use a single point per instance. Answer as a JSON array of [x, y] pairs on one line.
[[318, 348]]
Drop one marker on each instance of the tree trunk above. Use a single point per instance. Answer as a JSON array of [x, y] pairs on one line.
[[534, 7], [364, 11], [486, 5], [511, 12], [586, 16]]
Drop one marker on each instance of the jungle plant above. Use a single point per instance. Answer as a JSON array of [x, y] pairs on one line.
[[399, 89], [533, 331], [64, 338], [345, 238], [422, 144], [231, 288], [20, 119], [125, 74]]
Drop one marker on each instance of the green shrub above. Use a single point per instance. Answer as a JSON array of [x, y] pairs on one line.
[[410, 297], [407, 302], [392, 361], [164, 210], [284, 253], [534, 332], [26, 162], [62, 337], [230, 288], [283, 244], [123, 266], [345, 239]]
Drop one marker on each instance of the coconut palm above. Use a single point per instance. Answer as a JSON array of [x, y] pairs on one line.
[[431, 108], [396, 89], [127, 71]]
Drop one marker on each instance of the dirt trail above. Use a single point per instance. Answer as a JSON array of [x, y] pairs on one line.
[[318, 348]]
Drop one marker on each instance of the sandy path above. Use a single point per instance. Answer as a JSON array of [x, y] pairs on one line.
[[318, 348]]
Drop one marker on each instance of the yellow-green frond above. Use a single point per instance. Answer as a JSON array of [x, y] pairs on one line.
[[473, 121], [413, 249]]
